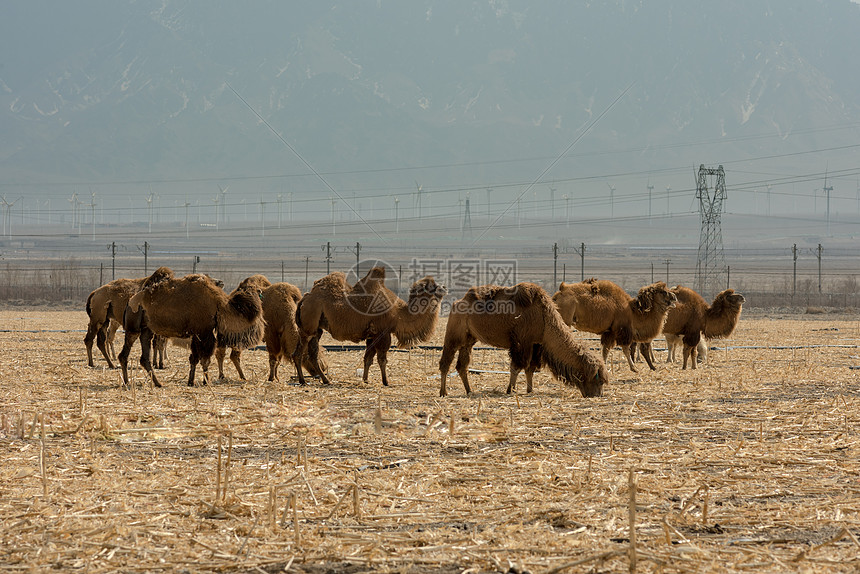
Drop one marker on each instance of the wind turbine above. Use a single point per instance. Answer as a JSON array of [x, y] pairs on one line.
[[418, 198], [93, 206], [223, 202], [74, 201], [149, 206], [8, 216], [185, 205], [611, 200]]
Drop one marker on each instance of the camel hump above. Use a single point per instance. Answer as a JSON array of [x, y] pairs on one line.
[[526, 294], [257, 281], [159, 275]]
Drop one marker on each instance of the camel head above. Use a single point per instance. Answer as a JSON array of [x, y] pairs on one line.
[[427, 288], [657, 295], [729, 298], [565, 302], [593, 386]]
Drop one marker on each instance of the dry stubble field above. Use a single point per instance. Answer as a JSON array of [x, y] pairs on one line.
[[750, 463]]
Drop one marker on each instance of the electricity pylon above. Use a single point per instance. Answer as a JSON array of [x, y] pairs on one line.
[[711, 261]]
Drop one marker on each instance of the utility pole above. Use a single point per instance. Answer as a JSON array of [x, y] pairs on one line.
[[827, 191], [397, 215], [146, 258], [327, 257], [113, 260], [262, 217], [794, 275], [307, 265], [489, 191], [820, 250], [581, 253], [650, 189], [357, 259], [667, 271], [554, 264]]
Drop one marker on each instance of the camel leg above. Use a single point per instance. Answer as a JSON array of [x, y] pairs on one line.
[[220, 353], [298, 354], [464, 357], [627, 351], [645, 349], [146, 336], [534, 365], [273, 367], [448, 352], [235, 357], [382, 345], [101, 342], [369, 354], [520, 359], [130, 338], [111, 335], [88, 341]]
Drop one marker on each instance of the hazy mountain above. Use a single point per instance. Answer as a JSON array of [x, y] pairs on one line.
[[137, 91]]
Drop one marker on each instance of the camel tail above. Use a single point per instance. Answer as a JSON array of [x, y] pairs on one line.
[[567, 359], [90, 305], [241, 324]]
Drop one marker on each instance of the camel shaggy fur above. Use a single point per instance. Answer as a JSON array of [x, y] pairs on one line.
[[692, 319], [367, 311], [604, 308], [105, 307], [281, 334], [524, 320], [195, 306]]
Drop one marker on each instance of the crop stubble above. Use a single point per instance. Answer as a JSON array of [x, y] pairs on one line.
[[748, 462]]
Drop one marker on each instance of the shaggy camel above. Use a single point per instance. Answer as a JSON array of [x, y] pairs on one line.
[[105, 307], [692, 318], [524, 320], [194, 306], [367, 311], [281, 334], [604, 308]]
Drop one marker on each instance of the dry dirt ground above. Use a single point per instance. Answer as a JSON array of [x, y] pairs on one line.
[[749, 463]]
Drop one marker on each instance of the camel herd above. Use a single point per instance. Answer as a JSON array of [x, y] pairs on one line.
[[194, 311]]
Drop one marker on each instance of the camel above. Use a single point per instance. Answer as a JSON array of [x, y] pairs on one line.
[[281, 335], [367, 311], [105, 307], [524, 320], [693, 319], [604, 308], [195, 306]]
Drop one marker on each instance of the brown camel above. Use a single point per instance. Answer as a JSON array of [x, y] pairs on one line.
[[367, 311], [195, 306], [604, 308], [105, 307], [692, 318], [524, 320], [281, 334]]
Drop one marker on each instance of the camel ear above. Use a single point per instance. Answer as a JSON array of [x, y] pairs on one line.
[[561, 286]]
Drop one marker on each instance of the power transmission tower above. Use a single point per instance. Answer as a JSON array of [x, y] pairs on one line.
[[467, 220], [710, 262]]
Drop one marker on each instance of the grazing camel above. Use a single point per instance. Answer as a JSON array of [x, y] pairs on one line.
[[105, 307], [281, 334], [524, 320], [604, 308], [367, 311], [692, 319], [195, 306]]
